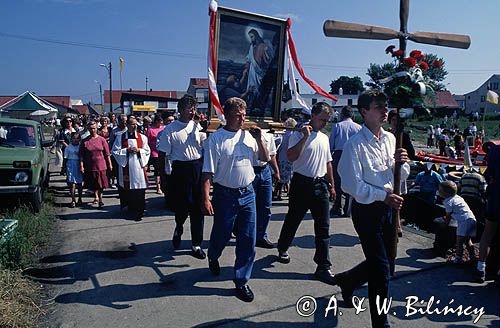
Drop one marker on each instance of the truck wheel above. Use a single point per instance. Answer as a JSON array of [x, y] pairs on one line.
[[36, 199]]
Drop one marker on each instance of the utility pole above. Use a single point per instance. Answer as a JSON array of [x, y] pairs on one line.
[[108, 67], [146, 85]]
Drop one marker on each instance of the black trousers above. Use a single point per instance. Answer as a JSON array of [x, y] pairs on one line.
[[186, 196], [337, 184], [134, 200], [373, 225], [308, 194]]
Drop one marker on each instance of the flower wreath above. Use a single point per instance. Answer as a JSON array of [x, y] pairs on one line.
[[408, 86]]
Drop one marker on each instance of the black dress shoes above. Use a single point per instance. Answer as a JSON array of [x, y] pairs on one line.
[[176, 239], [197, 252], [326, 276], [214, 267], [244, 293], [264, 243], [347, 292]]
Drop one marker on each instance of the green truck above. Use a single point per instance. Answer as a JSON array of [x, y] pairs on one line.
[[24, 160]]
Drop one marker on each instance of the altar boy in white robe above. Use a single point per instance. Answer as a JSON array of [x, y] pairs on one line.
[[131, 152]]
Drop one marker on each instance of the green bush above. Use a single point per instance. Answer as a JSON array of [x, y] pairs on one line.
[[32, 232]]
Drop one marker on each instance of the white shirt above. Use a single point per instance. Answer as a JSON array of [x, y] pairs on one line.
[[367, 164], [459, 211], [313, 160], [268, 139], [182, 141], [168, 162], [230, 156]]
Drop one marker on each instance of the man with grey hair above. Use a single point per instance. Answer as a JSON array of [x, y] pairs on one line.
[[229, 158], [341, 132]]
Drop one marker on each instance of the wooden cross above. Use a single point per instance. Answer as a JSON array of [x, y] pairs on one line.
[[359, 31]]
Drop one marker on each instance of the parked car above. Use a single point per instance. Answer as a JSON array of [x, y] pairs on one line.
[[24, 160]]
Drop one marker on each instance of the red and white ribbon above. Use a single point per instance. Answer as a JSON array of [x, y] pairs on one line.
[[212, 84], [293, 86]]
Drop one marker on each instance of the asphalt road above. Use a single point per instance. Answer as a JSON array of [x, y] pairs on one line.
[[105, 271]]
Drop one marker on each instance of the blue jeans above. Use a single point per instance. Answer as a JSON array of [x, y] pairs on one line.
[[234, 207], [263, 187]]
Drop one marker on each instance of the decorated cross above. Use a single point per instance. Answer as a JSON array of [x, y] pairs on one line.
[[339, 29]]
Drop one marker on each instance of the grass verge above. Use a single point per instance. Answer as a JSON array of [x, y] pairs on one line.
[[20, 298]]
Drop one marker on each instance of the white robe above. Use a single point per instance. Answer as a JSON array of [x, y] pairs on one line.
[[135, 163]]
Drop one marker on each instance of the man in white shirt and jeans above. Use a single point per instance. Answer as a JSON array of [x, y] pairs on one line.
[[229, 158], [311, 185], [367, 171]]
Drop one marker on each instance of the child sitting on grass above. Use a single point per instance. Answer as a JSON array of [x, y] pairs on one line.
[[73, 174], [456, 208]]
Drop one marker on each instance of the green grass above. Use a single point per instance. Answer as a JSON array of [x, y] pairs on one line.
[[20, 298], [490, 127], [32, 232]]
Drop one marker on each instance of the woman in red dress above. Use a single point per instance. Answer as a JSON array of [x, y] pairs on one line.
[[96, 160]]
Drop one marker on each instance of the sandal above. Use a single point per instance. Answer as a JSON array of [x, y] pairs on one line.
[[101, 204], [95, 202], [72, 205]]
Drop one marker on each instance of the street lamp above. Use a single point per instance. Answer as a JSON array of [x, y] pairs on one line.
[[100, 90], [108, 68]]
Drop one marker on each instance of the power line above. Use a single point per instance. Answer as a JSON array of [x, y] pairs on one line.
[[100, 46], [200, 57]]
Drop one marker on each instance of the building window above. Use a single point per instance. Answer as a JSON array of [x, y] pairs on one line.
[[494, 86], [483, 98], [162, 104], [314, 100], [468, 97], [138, 102]]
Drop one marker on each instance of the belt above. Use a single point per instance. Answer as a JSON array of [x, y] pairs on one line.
[[259, 168], [187, 162], [308, 179], [239, 190]]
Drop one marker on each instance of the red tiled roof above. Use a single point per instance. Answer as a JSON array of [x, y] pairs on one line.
[[81, 109], [444, 99], [117, 94], [199, 82], [61, 100]]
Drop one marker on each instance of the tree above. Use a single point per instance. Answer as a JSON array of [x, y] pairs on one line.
[[437, 73], [350, 85]]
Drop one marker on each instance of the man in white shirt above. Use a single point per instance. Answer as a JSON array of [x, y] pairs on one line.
[[341, 132], [182, 144], [311, 185], [366, 167], [229, 157]]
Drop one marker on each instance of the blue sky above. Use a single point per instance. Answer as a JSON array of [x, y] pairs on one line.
[[179, 30]]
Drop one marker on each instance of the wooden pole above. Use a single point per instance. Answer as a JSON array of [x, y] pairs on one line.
[[397, 187]]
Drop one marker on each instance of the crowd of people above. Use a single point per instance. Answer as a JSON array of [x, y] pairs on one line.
[[234, 174]]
